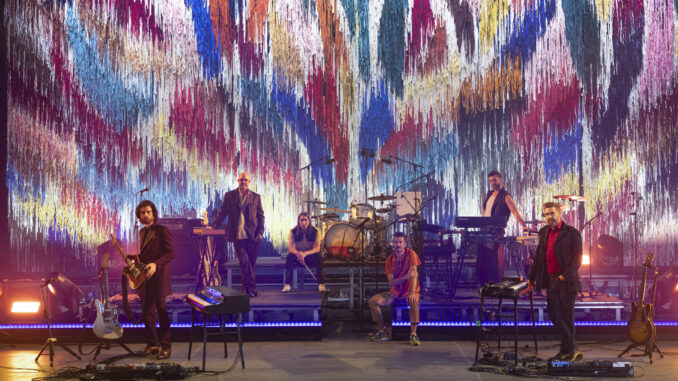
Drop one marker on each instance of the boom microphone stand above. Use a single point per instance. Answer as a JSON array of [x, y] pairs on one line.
[[588, 235]]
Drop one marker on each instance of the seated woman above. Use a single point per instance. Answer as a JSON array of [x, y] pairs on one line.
[[304, 249]]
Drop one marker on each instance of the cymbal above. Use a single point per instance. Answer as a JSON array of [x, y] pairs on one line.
[[579, 198], [329, 216], [562, 197], [381, 197], [385, 210], [317, 202], [336, 210]]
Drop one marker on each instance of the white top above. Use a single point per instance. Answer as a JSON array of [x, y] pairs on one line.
[[488, 206]]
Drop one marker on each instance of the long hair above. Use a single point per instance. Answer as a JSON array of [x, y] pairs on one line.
[[298, 233], [144, 204]]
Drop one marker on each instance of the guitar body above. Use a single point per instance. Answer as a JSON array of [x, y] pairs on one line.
[[106, 325], [641, 328], [135, 272]]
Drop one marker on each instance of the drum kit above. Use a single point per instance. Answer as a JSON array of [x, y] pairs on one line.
[[363, 232]]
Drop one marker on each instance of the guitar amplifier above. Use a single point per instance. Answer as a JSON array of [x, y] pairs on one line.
[[186, 257], [597, 368]]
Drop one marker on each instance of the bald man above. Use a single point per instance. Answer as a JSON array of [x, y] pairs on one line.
[[245, 227]]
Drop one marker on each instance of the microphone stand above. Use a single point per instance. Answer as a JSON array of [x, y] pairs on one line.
[[51, 340], [636, 203], [588, 241], [361, 277], [327, 160]]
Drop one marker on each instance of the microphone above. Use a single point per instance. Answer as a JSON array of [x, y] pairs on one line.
[[48, 281], [143, 190], [367, 152], [329, 160], [637, 194]]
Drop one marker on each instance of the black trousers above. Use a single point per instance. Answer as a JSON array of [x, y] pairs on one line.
[[247, 251], [150, 302], [313, 260], [489, 264], [560, 302]]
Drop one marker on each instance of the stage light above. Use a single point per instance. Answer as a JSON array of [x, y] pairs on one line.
[[676, 288], [25, 307], [585, 260], [65, 298]]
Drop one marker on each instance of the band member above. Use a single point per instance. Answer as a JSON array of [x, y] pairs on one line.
[[245, 228], [304, 248], [498, 202], [401, 270], [156, 250], [556, 267]]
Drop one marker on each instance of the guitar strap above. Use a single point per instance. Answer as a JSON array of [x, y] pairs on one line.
[[125, 301]]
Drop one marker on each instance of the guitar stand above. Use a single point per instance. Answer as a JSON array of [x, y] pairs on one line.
[[108, 344], [650, 348]]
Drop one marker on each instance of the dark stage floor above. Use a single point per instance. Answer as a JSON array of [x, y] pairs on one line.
[[343, 355]]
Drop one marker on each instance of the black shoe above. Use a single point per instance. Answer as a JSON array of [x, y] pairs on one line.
[[151, 350], [165, 353]]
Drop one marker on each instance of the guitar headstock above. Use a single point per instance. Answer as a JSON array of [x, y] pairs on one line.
[[106, 262], [648, 260]]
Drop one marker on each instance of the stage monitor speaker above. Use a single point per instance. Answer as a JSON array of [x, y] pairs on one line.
[[608, 255], [186, 257]]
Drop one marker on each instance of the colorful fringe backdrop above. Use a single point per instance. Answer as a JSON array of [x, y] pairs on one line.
[[107, 97]]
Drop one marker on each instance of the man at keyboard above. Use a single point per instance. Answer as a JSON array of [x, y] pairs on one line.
[[556, 268]]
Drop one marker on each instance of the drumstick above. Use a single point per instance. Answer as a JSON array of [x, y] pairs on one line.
[[303, 262]]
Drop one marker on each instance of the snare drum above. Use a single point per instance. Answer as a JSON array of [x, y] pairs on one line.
[[360, 212], [343, 241]]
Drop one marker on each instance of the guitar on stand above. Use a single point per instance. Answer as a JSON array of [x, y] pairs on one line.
[[642, 331], [134, 268], [106, 325]]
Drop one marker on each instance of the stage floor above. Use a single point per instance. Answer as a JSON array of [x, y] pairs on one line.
[[344, 355]]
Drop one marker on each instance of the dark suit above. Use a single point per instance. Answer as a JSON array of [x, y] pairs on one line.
[[245, 249], [156, 247], [560, 295]]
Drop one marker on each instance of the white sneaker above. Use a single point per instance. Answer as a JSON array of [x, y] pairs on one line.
[[287, 288], [321, 288]]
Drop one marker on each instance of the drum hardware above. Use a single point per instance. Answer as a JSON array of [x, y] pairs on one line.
[[385, 210], [327, 216], [335, 210]]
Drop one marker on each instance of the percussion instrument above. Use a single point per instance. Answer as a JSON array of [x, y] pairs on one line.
[[335, 210], [361, 212], [381, 197], [343, 241]]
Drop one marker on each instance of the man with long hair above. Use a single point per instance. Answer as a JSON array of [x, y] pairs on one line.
[[304, 250], [156, 251]]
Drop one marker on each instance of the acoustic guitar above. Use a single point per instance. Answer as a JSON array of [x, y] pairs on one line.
[[106, 325], [641, 328], [135, 270]]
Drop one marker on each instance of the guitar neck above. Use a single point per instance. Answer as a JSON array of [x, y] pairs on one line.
[[106, 291], [642, 287]]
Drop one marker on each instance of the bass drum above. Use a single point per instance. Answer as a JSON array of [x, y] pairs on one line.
[[343, 241]]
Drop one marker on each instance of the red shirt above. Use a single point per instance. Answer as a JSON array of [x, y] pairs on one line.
[[399, 268], [551, 261]]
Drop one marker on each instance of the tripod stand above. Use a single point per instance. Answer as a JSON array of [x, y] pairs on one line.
[[51, 340]]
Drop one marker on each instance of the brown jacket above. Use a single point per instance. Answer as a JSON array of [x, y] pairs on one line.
[[156, 247]]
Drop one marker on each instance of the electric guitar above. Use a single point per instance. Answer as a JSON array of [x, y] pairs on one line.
[[135, 269], [106, 325], [641, 328]]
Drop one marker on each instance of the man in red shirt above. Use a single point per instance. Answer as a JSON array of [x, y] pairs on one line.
[[401, 270], [556, 267]]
